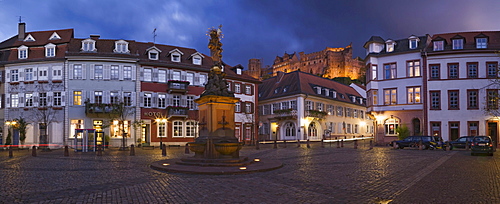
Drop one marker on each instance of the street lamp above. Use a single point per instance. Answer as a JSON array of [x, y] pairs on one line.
[[10, 124], [161, 121]]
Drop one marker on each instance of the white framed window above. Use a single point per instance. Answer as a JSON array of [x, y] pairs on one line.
[[162, 100], [147, 74], [190, 128], [237, 107], [175, 55], [147, 97], [176, 58], [42, 99], [14, 75], [438, 45], [413, 42], [374, 72], [57, 99], [162, 130], [127, 73], [177, 128], [176, 75], [28, 74], [389, 45], [458, 44], [22, 52], [127, 98], [114, 97], [54, 36], [57, 73], [190, 78], [98, 97], [115, 72], [77, 98], [390, 96], [190, 103], [98, 72], [176, 100], [481, 43], [237, 88], [77, 71], [197, 60], [203, 79], [50, 50], [43, 73], [248, 89], [14, 100], [248, 107], [88, 45], [413, 94], [153, 54], [121, 46], [162, 76], [29, 99]]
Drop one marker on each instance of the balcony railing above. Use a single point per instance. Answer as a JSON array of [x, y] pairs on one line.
[[285, 114], [177, 86], [100, 108], [316, 114], [174, 111]]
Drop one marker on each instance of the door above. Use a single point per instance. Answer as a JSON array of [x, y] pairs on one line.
[[454, 131], [15, 137], [145, 133], [493, 132]]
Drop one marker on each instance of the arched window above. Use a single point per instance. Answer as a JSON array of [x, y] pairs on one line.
[[290, 129], [313, 131], [390, 126]]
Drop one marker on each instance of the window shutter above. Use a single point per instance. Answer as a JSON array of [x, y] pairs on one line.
[[183, 100], [92, 98], [120, 73], [21, 100], [7, 76], [154, 100], [141, 99], [106, 72], [35, 99], [21, 75], [134, 72], [252, 89], [196, 80], [70, 99], [141, 77], [106, 97], [50, 97], [84, 71], [63, 98], [92, 71], [169, 99], [155, 75], [183, 76], [169, 75], [7, 96], [252, 107], [134, 96]]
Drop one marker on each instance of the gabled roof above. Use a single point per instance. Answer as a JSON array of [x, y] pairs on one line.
[[374, 39], [469, 40], [299, 82]]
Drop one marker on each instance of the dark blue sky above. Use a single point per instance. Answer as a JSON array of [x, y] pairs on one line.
[[252, 28]]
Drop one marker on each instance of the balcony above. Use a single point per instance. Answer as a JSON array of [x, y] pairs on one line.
[[175, 86], [95, 108], [316, 114], [285, 114], [177, 112]]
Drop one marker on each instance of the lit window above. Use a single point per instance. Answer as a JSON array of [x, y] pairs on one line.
[[413, 68], [391, 125], [389, 46], [77, 98], [161, 129], [390, 96], [190, 128], [177, 128], [413, 94]]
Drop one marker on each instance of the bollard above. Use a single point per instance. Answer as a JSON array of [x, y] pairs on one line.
[[186, 149], [284, 143], [342, 143], [164, 150], [448, 146], [99, 150], [355, 144], [371, 144], [420, 146], [275, 145], [467, 145], [298, 143], [66, 151], [132, 150], [33, 151], [338, 144], [257, 145], [308, 146], [394, 145], [322, 144], [10, 152]]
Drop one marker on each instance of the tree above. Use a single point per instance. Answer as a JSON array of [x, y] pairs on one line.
[[403, 131], [21, 126]]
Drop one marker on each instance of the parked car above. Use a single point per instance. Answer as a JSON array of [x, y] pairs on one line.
[[482, 144], [414, 141], [460, 142]]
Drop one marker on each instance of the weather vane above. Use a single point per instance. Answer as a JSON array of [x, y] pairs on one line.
[[154, 36]]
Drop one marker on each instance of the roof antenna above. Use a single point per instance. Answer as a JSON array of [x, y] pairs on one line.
[[154, 36], [20, 19]]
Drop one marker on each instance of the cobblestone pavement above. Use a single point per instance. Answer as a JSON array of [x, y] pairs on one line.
[[309, 175]]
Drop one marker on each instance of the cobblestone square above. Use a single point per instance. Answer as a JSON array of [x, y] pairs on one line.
[[309, 175]]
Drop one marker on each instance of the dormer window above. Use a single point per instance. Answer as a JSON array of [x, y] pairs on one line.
[[334, 94], [481, 43], [50, 50], [153, 53], [438, 45], [458, 44], [238, 71], [29, 38], [121, 46], [389, 45], [413, 42], [54, 36], [22, 52], [175, 55], [197, 58], [88, 45], [318, 89]]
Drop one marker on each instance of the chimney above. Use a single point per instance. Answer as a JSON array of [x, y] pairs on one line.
[[95, 37], [21, 31]]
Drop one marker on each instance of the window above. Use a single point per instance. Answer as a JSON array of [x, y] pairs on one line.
[[492, 69], [114, 72], [473, 128], [190, 128], [98, 72], [161, 129], [340, 111], [43, 73], [438, 45], [162, 76], [197, 60], [147, 100], [453, 71], [176, 58], [375, 97], [127, 73], [413, 68], [176, 75], [330, 109], [472, 99], [290, 130], [413, 94], [413, 42], [176, 100], [492, 99], [22, 52], [389, 46], [237, 107], [190, 102], [177, 128], [248, 89], [237, 88], [114, 97], [390, 96], [320, 106], [42, 99], [435, 69], [121, 46], [28, 74], [391, 125], [29, 100], [57, 99], [203, 79], [147, 74], [50, 50], [127, 98], [436, 128], [248, 107], [458, 44], [14, 75], [56, 73], [116, 128], [88, 45], [390, 71], [162, 100], [190, 78], [14, 99], [435, 100], [77, 98], [312, 130], [98, 97], [453, 100], [481, 43], [153, 55], [285, 105], [309, 105], [374, 72], [471, 70], [77, 71], [293, 105]]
